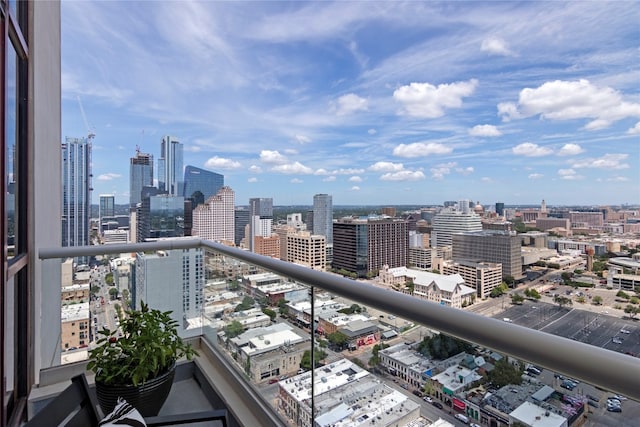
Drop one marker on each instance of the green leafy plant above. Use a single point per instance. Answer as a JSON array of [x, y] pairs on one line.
[[149, 346]]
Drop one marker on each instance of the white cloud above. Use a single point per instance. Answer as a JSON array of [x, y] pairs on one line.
[[495, 46], [570, 150], [272, 157], [569, 175], [529, 149], [372, 131], [296, 181], [403, 176], [608, 161], [355, 179], [418, 149], [108, 176], [618, 179], [427, 101], [439, 171], [301, 139], [252, 179], [634, 130], [221, 163], [570, 100], [465, 171], [355, 188], [192, 148], [329, 179], [350, 103], [291, 168], [386, 167], [486, 179], [535, 176], [339, 172], [484, 130], [255, 169]]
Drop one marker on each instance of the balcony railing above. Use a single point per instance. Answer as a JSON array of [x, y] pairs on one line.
[[606, 369]]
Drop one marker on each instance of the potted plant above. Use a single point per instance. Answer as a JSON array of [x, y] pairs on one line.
[[137, 362]]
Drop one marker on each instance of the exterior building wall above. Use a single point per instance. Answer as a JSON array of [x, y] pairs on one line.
[[267, 246], [592, 219], [307, 249], [483, 277], [140, 175], [323, 216], [451, 221], [206, 182], [490, 246], [76, 191], [214, 220]]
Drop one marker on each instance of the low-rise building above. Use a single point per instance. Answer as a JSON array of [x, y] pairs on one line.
[[75, 331], [402, 361], [442, 289], [482, 276]]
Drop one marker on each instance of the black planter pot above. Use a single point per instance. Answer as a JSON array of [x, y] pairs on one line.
[[147, 398]]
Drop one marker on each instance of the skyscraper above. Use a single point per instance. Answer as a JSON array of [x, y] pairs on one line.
[[501, 247], [201, 180], [107, 206], [452, 220], [241, 219], [323, 216], [214, 220], [140, 175], [76, 191], [365, 245], [260, 219], [170, 166]]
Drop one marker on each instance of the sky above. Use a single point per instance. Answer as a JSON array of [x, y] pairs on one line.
[[373, 102]]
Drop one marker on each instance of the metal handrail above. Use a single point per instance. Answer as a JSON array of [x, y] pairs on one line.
[[610, 370]]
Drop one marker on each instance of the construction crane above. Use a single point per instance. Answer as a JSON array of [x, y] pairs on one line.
[[90, 133]]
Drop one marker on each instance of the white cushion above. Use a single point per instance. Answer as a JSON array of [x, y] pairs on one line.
[[123, 415]]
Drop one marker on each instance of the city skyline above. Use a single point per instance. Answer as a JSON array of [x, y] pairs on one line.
[[373, 103]]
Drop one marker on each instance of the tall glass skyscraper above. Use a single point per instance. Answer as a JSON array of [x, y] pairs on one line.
[[170, 166], [140, 175], [76, 191], [323, 216], [206, 182]]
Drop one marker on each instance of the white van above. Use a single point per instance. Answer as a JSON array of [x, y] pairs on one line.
[[462, 418]]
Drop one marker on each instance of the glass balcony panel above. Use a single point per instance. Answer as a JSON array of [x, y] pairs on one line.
[[11, 121], [9, 336]]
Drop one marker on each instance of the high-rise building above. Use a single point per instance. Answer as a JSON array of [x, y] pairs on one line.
[[171, 281], [260, 219], [170, 174], [140, 175], [307, 249], [160, 216], [107, 206], [323, 216], [200, 184], [500, 208], [76, 191], [500, 247], [453, 220], [214, 220], [365, 245], [241, 220]]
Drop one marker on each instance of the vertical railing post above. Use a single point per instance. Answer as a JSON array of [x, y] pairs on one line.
[[313, 359]]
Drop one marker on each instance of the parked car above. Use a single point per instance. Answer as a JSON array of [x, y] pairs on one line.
[[417, 393], [273, 380], [592, 403], [614, 409], [437, 404], [427, 399], [592, 397]]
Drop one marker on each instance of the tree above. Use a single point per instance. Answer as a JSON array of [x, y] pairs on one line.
[[504, 373], [271, 313], [597, 300], [435, 270], [566, 277], [318, 355], [631, 310], [375, 357], [94, 290], [233, 329], [282, 306], [337, 339], [562, 301], [233, 285], [581, 299], [622, 294], [247, 303], [509, 280], [108, 279], [442, 346], [113, 293], [517, 299], [532, 293], [634, 300]]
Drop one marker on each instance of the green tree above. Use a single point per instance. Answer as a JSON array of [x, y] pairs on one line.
[[509, 280], [108, 279], [94, 290], [597, 300], [442, 346], [566, 277], [634, 300], [562, 301], [532, 293], [247, 303], [271, 313], [581, 299], [337, 339], [233, 285], [504, 373], [632, 310], [282, 306], [517, 299], [113, 293], [622, 294], [375, 356], [318, 355], [233, 329]]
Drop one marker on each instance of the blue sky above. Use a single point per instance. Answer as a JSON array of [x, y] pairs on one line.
[[372, 102]]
